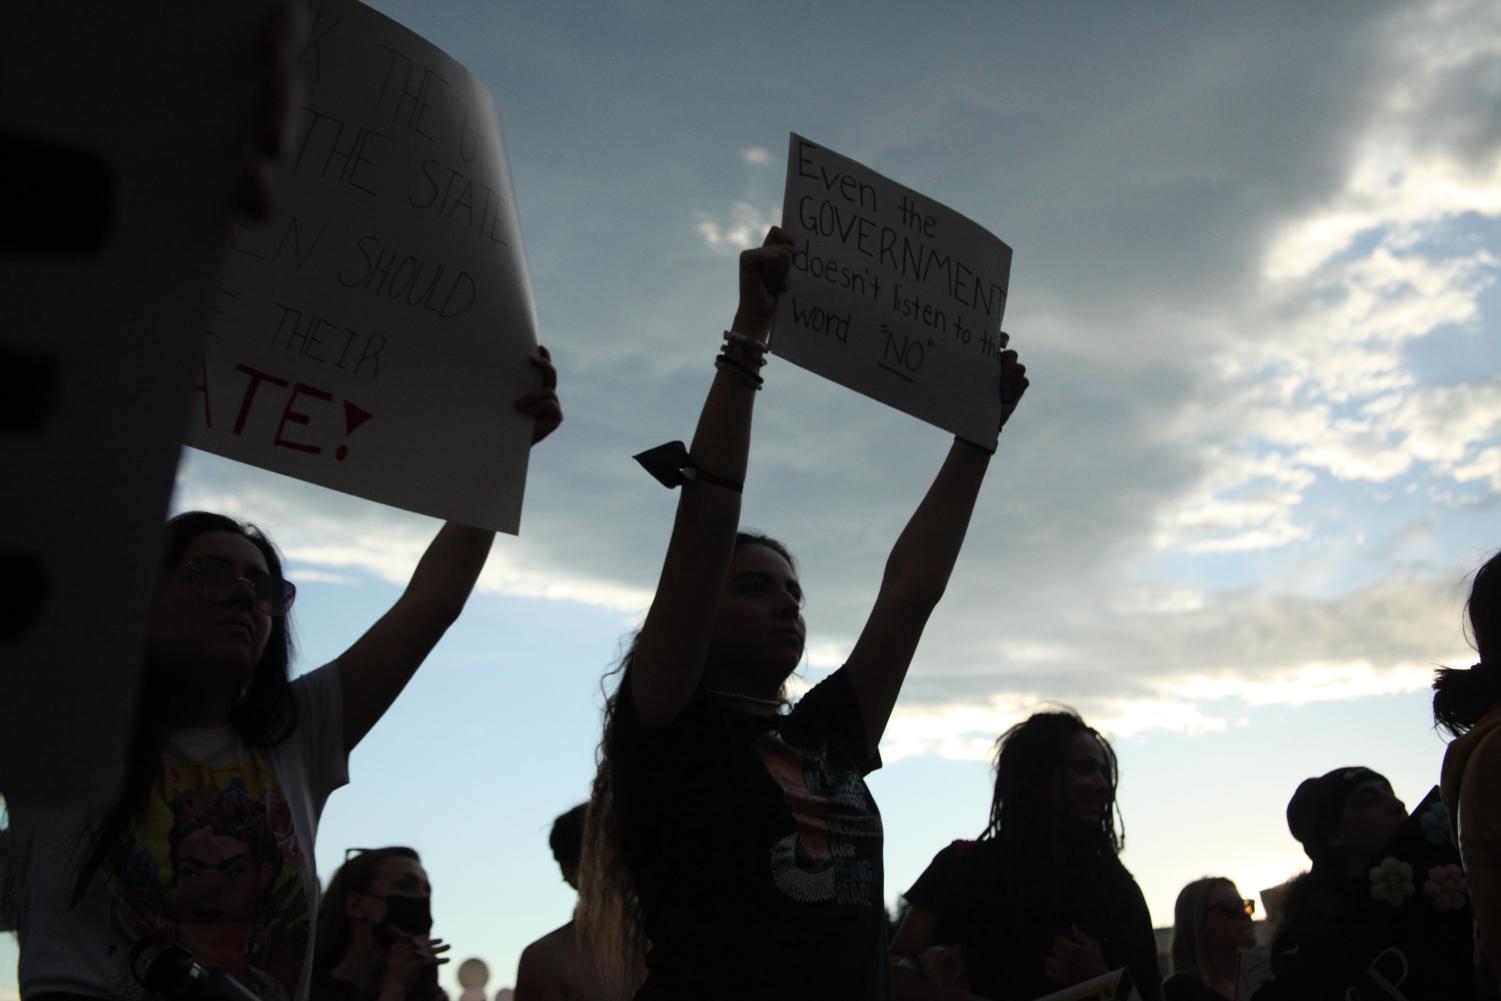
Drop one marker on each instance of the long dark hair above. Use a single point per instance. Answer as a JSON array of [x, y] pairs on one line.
[[1029, 763], [609, 914], [1461, 697], [263, 717], [335, 930]]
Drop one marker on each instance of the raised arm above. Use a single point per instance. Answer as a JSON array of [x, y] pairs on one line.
[[918, 569], [674, 640], [378, 666]]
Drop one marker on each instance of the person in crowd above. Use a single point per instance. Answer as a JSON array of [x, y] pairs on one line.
[[1467, 703], [1368, 894], [1040, 901], [557, 967], [373, 925], [1211, 925], [739, 839], [209, 844]]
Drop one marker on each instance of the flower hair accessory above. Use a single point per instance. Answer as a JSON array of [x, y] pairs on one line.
[[1391, 881]]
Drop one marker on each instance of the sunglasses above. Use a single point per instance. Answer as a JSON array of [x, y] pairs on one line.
[[216, 580], [1235, 908]]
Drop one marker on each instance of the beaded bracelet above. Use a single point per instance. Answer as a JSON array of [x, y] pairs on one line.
[[754, 348], [739, 371]]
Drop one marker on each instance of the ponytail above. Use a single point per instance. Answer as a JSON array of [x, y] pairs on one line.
[[1461, 697]]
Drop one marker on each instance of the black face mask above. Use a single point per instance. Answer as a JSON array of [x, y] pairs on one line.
[[413, 915]]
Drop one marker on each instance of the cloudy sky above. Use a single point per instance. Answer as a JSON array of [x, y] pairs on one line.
[[1255, 287]]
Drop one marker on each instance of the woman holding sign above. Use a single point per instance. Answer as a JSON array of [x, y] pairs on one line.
[[739, 840], [207, 855]]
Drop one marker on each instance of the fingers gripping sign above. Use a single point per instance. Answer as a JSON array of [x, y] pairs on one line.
[[763, 276], [1013, 384], [542, 405]]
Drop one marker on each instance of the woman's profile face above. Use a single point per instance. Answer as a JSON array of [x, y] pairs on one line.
[[759, 635], [1226, 923], [399, 876], [208, 644], [395, 876], [1086, 792], [1370, 817]]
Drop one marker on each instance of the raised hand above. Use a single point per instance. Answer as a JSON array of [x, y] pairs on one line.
[[763, 275], [411, 960], [1014, 383]]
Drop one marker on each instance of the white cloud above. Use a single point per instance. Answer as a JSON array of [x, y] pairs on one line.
[[743, 226], [756, 154], [1317, 376]]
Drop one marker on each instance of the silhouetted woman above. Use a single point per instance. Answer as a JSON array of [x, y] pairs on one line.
[[373, 925], [741, 841], [1211, 925], [1467, 703], [1041, 900]]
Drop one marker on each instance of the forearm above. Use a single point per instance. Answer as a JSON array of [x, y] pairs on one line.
[[923, 558], [674, 639], [448, 570]]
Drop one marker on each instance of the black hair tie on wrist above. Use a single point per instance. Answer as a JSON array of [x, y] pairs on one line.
[[672, 466]]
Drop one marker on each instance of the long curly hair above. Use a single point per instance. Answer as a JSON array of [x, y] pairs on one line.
[[609, 919], [263, 717]]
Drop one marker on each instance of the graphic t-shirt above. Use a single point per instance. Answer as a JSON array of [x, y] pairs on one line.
[[221, 862], [756, 849], [214, 865]]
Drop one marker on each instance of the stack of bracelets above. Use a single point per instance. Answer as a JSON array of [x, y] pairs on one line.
[[741, 356]]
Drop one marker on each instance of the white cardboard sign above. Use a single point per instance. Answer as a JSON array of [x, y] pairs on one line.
[[373, 337], [892, 294]]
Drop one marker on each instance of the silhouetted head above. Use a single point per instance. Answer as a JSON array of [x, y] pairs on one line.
[[374, 891], [759, 633], [1209, 916], [567, 842], [1054, 774], [1344, 818], [219, 627]]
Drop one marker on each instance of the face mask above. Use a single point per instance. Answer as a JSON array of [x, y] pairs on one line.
[[412, 915]]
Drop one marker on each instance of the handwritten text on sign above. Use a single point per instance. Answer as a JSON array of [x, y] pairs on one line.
[[373, 337], [892, 294]]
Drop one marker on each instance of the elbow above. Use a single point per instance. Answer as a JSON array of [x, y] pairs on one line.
[[908, 587]]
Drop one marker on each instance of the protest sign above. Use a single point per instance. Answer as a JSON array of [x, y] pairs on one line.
[[125, 131], [891, 294], [373, 337]]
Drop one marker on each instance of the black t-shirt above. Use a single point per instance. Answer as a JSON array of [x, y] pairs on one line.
[[756, 849], [1006, 930]]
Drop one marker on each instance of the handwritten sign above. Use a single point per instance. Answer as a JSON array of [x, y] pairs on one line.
[[373, 337], [891, 294]]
